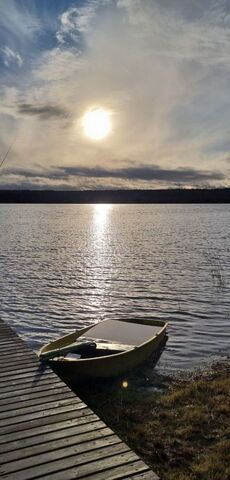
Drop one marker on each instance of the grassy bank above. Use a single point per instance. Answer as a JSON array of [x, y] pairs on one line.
[[181, 431]]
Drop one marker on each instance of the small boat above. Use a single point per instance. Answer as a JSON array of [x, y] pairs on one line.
[[106, 349]]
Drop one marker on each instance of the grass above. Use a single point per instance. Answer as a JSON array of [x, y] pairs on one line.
[[181, 431]]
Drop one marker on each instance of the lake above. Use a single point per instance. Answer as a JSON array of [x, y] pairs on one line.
[[67, 266]]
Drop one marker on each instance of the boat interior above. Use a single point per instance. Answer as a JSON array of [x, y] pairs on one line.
[[105, 339]]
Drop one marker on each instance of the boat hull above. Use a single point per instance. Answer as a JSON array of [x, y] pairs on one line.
[[106, 366]]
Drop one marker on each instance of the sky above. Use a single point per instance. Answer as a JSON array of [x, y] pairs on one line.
[[159, 70]]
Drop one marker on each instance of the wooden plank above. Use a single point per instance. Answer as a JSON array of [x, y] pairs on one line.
[[17, 353], [37, 392], [127, 471], [18, 357], [24, 457], [29, 382], [7, 330], [36, 403], [8, 366], [19, 448], [20, 378], [30, 417], [105, 462], [4, 375], [11, 351], [31, 386], [34, 373], [37, 431], [13, 344], [66, 448], [148, 475], [9, 340], [56, 417], [4, 335], [16, 413], [83, 460]]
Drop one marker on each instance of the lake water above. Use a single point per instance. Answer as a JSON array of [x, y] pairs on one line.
[[67, 266]]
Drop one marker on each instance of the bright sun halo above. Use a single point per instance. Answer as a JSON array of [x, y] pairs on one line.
[[96, 124]]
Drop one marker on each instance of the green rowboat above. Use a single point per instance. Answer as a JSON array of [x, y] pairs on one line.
[[106, 349]]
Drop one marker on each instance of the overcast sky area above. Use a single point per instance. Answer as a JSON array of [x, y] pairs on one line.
[[160, 68]]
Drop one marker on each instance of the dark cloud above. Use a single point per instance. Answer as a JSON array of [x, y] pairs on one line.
[[43, 111], [145, 172], [140, 173]]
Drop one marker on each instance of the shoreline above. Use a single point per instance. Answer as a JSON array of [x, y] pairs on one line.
[[181, 429]]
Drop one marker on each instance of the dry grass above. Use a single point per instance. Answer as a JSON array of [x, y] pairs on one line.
[[183, 434]]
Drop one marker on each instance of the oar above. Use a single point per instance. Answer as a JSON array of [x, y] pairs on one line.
[[73, 348]]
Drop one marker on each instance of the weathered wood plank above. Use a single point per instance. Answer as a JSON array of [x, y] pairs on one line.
[[127, 471], [56, 417], [31, 386], [13, 344], [10, 365], [36, 392], [104, 463], [15, 414], [85, 461], [20, 373], [31, 403], [10, 344], [42, 460], [50, 428], [149, 475], [30, 417], [20, 448], [7, 331], [18, 357], [30, 382], [4, 335], [22, 377]]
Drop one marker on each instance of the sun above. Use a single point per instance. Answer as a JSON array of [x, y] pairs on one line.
[[96, 124]]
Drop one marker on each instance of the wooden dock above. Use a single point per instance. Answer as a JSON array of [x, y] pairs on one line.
[[47, 432]]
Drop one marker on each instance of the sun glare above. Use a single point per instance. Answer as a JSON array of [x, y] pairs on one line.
[[96, 124], [101, 211]]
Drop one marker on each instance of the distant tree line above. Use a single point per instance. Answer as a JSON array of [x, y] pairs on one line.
[[218, 195]]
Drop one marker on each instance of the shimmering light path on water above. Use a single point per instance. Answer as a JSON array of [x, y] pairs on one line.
[[66, 266]]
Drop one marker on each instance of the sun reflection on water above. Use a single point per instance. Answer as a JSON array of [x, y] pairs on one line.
[[101, 261], [101, 214]]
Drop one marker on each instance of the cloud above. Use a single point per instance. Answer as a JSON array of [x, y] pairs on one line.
[[43, 111], [148, 173], [11, 57], [162, 70], [75, 21], [144, 172], [183, 30]]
